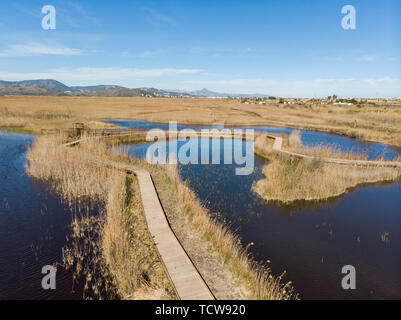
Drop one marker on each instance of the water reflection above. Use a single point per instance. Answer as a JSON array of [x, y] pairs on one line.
[[33, 228], [308, 138]]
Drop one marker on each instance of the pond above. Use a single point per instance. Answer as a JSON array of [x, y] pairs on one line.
[[311, 242]]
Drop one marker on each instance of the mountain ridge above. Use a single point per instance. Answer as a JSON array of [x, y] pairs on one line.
[[54, 87]]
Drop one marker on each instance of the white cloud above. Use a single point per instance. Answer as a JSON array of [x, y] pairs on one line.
[[367, 58], [149, 54], [98, 74], [24, 50], [384, 80], [335, 58], [236, 82], [158, 17], [222, 52], [331, 81], [84, 14]]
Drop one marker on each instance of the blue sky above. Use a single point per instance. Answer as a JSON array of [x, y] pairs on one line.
[[285, 48]]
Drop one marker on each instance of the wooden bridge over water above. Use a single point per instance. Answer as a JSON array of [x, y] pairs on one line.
[[217, 134]]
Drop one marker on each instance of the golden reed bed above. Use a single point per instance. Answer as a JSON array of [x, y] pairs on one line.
[[381, 123], [289, 179]]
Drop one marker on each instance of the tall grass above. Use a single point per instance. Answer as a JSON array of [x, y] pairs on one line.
[[290, 179], [112, 251], [128, 249], [294, 144], [40, 121], [71, 171], [380, 123]]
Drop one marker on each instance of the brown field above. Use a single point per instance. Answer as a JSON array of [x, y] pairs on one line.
[[36, 114]]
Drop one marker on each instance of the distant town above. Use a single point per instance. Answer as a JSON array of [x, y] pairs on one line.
[[334, 100]]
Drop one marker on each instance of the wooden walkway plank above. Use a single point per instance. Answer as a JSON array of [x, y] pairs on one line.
[[183, 274], [278, 144], [185, 278]]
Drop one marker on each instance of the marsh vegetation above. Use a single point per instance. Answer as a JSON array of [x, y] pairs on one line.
[[118, 239], [112, 251], [289, 179], [380, 123]]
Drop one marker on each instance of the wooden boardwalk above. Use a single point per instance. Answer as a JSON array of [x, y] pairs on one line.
[[184, 276], [277, 146], [278, 143]]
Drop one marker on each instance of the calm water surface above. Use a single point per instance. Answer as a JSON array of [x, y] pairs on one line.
[[33, 228], [311, 242], [308, 138]]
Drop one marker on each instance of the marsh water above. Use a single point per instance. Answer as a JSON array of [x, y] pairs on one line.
[[310, 242], [34, 225]]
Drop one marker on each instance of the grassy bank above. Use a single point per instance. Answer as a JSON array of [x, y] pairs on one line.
[[42, 121], [112, 251], [289, 179]]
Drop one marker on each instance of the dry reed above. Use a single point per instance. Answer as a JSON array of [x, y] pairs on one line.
[[380, 123], [294, 144], [256, 277], [112, 251], [290, 179]]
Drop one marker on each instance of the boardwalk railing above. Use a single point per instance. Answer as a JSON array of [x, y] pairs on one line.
[[278, 144]]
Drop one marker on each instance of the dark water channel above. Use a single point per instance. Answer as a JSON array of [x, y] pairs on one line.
[[34, 224]]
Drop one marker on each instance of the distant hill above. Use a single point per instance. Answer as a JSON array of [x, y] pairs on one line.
[[95, 88], [53, 87], [48, 84], [11, 89], [121, 93], [166, 93], [210, 94]]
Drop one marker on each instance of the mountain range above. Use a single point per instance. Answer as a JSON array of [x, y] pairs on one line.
[[52, 87]]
